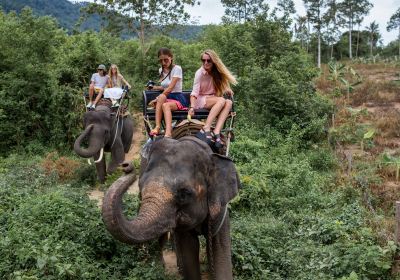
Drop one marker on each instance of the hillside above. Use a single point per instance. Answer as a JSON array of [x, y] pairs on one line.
[[68, 13]]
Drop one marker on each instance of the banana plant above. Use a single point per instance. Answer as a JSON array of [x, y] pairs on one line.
[[391, 160], [367, 135], [349, 86], [337, 74], [336, 71]]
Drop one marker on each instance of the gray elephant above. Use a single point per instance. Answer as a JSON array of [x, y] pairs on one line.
[[184, 189], [105, 133]]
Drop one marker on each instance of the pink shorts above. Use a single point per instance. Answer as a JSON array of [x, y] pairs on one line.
[[178, 104]]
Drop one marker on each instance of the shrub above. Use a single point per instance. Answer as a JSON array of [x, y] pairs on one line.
[[48, 231]]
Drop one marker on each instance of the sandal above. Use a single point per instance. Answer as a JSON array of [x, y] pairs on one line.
[[204, 136], [218, 142], [155, 131]]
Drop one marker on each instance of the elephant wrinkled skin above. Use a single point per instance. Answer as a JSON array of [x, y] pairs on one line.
[[105, 133], [184, 189]]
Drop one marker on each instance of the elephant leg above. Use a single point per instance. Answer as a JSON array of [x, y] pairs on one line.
[[187, 250], [221, 252], [101, 168], [127, 133], [178, 256], [117, 155]]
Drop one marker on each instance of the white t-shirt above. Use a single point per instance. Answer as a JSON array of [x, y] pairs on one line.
[[99, 81], [176, 72]]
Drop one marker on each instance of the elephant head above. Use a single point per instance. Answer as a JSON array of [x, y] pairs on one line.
[[183, 184], [104, 133]]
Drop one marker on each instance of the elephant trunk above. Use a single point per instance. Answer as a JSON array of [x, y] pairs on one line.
[[155, 214], [95, 143]]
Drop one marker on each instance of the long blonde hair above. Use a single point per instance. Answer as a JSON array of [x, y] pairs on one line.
[[110, 74], [222, 77]]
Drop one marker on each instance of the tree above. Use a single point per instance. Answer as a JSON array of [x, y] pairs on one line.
[[332, 21], [287, 8], [141, 15], [374, 35], [315, 14], [394, 23], [243, 10], [352, 11], [300, 30]]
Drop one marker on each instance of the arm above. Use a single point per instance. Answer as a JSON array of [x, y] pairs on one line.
[[192, 102], [195, 92], [196, 85], [125, 82], [171, 85]]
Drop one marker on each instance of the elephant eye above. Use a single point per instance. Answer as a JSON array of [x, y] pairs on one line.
[[184, 196]]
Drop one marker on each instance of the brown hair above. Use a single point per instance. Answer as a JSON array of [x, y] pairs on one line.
[[168, 52]]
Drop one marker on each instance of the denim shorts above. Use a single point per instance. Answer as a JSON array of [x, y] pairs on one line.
[[178, 96]]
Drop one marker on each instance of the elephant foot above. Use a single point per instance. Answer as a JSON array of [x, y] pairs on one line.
[[112, 169]]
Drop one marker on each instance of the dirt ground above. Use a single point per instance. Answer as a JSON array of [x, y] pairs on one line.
[[374, 105]]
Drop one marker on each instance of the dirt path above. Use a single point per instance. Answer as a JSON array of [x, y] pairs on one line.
[[133, 154]]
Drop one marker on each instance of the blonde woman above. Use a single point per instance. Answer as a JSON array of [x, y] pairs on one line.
[[211, 82], [115, 83]]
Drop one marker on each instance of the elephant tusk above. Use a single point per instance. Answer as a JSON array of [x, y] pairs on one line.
[[101, 156], [89, 162]]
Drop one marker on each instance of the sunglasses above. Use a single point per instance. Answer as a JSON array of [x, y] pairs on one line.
[[161, 60], [206, 60], [99, 69]]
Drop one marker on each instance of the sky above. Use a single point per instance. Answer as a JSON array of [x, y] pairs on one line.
[[211, 11]]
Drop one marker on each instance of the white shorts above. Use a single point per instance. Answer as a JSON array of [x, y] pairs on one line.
[[114, 93]]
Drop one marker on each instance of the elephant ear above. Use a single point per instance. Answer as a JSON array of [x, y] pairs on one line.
[[144, 155], [223, 187]]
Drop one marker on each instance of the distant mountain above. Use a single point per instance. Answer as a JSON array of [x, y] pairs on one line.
[[64, 11], [68, 13]]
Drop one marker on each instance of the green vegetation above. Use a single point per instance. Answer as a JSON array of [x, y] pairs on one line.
[[50, 230], [67, 13], [295, 217]]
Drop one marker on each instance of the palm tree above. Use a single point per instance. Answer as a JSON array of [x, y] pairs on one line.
[[373, 29], [300, 28], [394, 23]]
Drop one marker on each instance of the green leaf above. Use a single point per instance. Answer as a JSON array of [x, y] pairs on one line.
[[369, 134], [41, 263]]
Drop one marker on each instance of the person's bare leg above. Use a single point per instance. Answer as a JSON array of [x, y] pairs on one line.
[[222, 116], [99, 95], [91, 92], [168, 107], [215, 104], [159, 111]]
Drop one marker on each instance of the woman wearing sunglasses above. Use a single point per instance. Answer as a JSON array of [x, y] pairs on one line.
[[171, 98], [211, 82]]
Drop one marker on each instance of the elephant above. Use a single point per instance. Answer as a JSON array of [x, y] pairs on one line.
[[184, 189], [105, 132]]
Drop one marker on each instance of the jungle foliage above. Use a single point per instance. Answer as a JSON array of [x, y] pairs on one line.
[[289, 220]]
